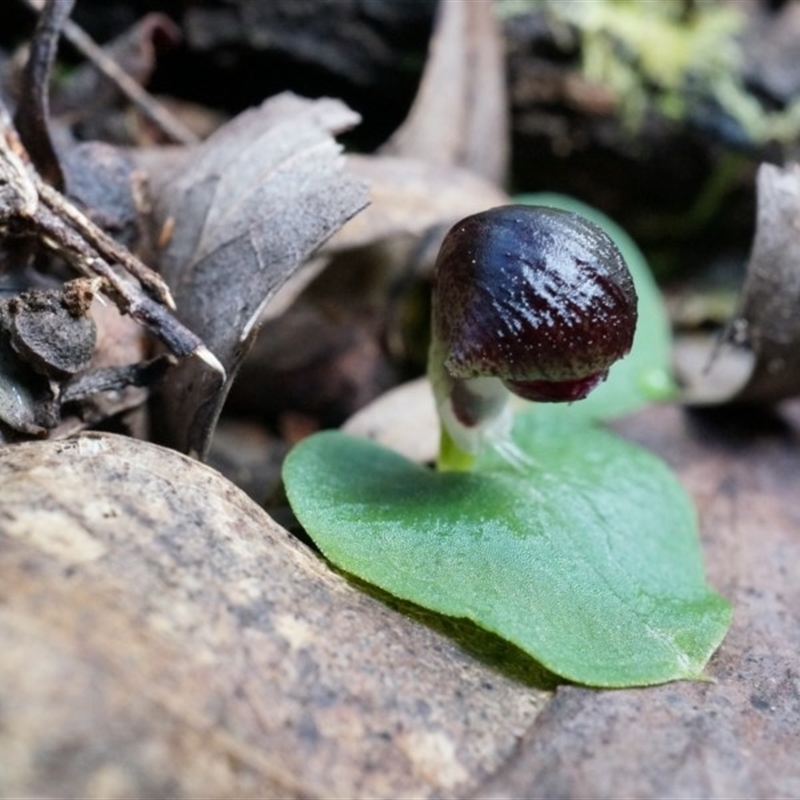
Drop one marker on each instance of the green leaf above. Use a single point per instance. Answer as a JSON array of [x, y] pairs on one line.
[[588, 559], [644, 375]]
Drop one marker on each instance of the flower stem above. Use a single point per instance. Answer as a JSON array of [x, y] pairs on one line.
[[452, 458]]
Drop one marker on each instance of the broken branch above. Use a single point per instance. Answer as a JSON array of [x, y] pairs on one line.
[[145, 102], [28, 207]]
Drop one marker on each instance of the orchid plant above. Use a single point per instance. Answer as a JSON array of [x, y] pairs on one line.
[[537, 524]]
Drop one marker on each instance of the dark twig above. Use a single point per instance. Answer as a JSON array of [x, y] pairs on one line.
[[30, 208], [147, 104], [110, 379], [32, 115], [103, 243]]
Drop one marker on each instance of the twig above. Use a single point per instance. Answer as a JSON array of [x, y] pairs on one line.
[[109, 379], [32, 114], [148, 105], [103, 243], [28, 207]]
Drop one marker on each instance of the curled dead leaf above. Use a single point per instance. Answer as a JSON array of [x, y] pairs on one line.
[[758, 360], [403, 419], [408, 196], [247, 209], [460, 114]]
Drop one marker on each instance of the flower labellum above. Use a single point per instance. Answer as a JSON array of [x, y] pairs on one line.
[[536, 298]]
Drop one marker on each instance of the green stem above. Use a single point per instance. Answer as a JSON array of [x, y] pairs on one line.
[[479, 399], [451, 457]]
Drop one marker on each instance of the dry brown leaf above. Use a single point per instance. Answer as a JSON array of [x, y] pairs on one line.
[[103, 180], [162, 636], [769, 322], [760, 361], [47, 338], [248, 208], [409, 196], [738, 735], [460, 114], [403, 419]]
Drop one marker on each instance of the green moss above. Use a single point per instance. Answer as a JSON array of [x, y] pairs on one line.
[[666, 54]]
